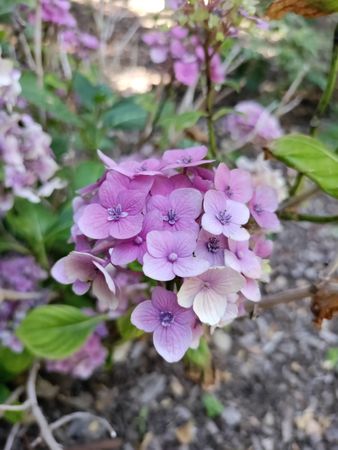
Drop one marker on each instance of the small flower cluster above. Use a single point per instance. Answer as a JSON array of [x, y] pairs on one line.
[[27, 160], [199, 229], [253, 123], [10, 87], [184, 51], [71, 39], [18, 274], [91, 356]]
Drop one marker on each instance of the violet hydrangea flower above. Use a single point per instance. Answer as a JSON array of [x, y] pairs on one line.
[[178, 211], [263, 205], [170, 254], [188, 157], [84, 270], [236, 183], [211, 248], [240, 258], [207, 293], [118, 214], [224, 216], [170, 324]]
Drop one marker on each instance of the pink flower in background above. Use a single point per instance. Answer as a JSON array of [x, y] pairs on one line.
[[186, 72], [170, 254], [236, 183], [211, 248], [164, 186], [170, 324], [253, 123], [217, 71], [188, 157], [178, 211], [207, 293], [263, 205], [223, 216], [57, 12], [243, 260], [84, 270], [84, 362], [118, 214], [10, 87]]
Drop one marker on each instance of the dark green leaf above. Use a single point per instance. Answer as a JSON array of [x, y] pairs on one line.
[[182, 121], [56, 331], [14, 363], [126, 115], [310, 157]]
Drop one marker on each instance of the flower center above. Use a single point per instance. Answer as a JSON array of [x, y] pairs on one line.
[[257, 208], [171, 217], [213, 245], [186, 160], [138, 240], [228, 191], [172, 257], [166, 318], [115, 213], [224, 217]]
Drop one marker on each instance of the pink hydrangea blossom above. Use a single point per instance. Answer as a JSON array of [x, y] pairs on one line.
[[263, 205], [211, 248], [236, 183], [188, 157], [224, 216], [207, 293], [170, 324], [170, 254], [178, 211], [83, 270], [240, 258]]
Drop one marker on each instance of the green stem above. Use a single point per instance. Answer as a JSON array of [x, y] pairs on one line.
[[307, 217], [210, 99], [294, 188], [330, 86]]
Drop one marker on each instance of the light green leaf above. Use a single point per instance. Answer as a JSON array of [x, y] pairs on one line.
[[14, 363], [182, 121], [126, 115], [200, 356], [311, 158], [212, 405], [56, 331], [126, 329]]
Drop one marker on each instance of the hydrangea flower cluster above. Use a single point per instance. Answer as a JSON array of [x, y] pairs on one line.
[[18, 274], [91, 356], [27, 160], [251, 122], [10, 87], [184, 51], [199, 231], [72, 40]]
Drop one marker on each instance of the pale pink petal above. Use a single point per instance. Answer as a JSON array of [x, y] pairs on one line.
[[209, 306], [190, 267], [230, 260], [80, 287], [157, 268], [126, 227], [160, 243], [211, 224], [236, 232], [124, 253], [187, 202], [241, 185], [131, 201], [267, 220], [239, 213], [251, 265], [251, 290], [222, 177], [266, 197], [173, 341], [106, 297], [108, 192], [164, 300], [223, 280], [94, 223], [214, 202], [188, 291], [145, 317], [186, 73], [158, 54], [107, 273]]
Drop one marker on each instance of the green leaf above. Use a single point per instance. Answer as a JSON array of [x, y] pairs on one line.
[[7, 6], [126, 329], [200, 356], [222, 112], [11, 416], [87, 172], [30, 221], [332, 357], [311, 158], [182, 121], [14, 363], [46, 100], [126, 115], [56, 331], [212, 405]]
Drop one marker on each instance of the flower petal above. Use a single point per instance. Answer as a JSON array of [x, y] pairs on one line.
[[145, 316], [190, 266], [173, 341], [94, 223], [188, 291], [158, 268], [209, 306]]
